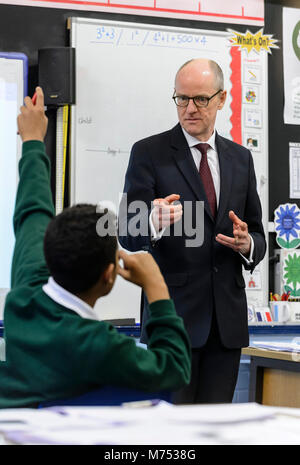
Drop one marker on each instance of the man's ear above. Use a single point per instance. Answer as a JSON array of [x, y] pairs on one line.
[[108, 274], [222, 99]]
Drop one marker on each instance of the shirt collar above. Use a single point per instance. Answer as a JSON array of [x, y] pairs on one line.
[[192, 141], [69, 300]]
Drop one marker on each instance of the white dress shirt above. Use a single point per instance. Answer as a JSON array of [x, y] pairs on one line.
[[213, 162], [69, 300]]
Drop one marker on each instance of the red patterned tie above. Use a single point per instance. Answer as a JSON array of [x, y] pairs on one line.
[[207, 179]]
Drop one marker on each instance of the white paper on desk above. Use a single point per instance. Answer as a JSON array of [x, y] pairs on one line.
[[216, 413], [158, 434], [24, 417], [277, 346], [163, 424], [220, 413], [273, 431], [111, 425]]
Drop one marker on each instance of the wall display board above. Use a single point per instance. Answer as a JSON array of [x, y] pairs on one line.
[[231, 11], [13, 87], [291, 62], [124, 84]]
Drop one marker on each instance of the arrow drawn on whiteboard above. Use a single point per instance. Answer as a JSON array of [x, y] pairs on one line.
[[109, 151]]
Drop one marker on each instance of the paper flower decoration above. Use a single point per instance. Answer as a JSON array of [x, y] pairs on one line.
[[292, 275], [287, 226]]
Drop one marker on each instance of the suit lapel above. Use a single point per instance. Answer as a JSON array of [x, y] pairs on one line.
[[185, 162], [226, 170]]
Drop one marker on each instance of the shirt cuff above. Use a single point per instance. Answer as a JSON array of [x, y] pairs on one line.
[[155, 236], [250, 259]]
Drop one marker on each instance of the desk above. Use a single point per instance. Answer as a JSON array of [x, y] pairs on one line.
[[274, 378], [165, 425]]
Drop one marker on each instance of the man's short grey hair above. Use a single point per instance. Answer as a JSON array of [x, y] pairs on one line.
[[215, 68]]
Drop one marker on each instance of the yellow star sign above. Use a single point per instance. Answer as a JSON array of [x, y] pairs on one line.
[[256, 42]]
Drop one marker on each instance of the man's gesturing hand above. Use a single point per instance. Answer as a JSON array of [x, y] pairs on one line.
[[165, 212], [240, 242]]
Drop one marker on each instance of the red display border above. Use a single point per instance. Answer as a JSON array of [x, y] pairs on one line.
[[236, 94], [154, 8]]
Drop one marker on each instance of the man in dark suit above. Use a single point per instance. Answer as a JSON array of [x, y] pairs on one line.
[[205, 276]]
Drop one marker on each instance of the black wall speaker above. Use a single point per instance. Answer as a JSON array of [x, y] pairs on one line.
[[57, 75]]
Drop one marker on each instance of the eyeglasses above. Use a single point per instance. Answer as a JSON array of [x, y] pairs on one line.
[[199, 100]]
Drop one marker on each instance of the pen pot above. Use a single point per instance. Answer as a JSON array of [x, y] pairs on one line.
[[281, 311]]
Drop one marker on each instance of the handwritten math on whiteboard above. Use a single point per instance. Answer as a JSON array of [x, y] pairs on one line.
[[147, 38], [229, 11]]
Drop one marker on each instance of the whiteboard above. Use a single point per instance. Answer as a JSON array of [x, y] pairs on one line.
[[13, 77], [124, 84]]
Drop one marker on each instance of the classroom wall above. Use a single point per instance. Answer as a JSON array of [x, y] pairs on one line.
[[26, 29], [280, 134]]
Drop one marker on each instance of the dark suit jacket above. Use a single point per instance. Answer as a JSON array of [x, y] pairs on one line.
[[209, 276]]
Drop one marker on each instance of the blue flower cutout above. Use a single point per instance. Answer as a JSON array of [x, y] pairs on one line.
[[287, 221]]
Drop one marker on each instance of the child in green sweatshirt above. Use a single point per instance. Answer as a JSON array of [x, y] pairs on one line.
[[56, 347]]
